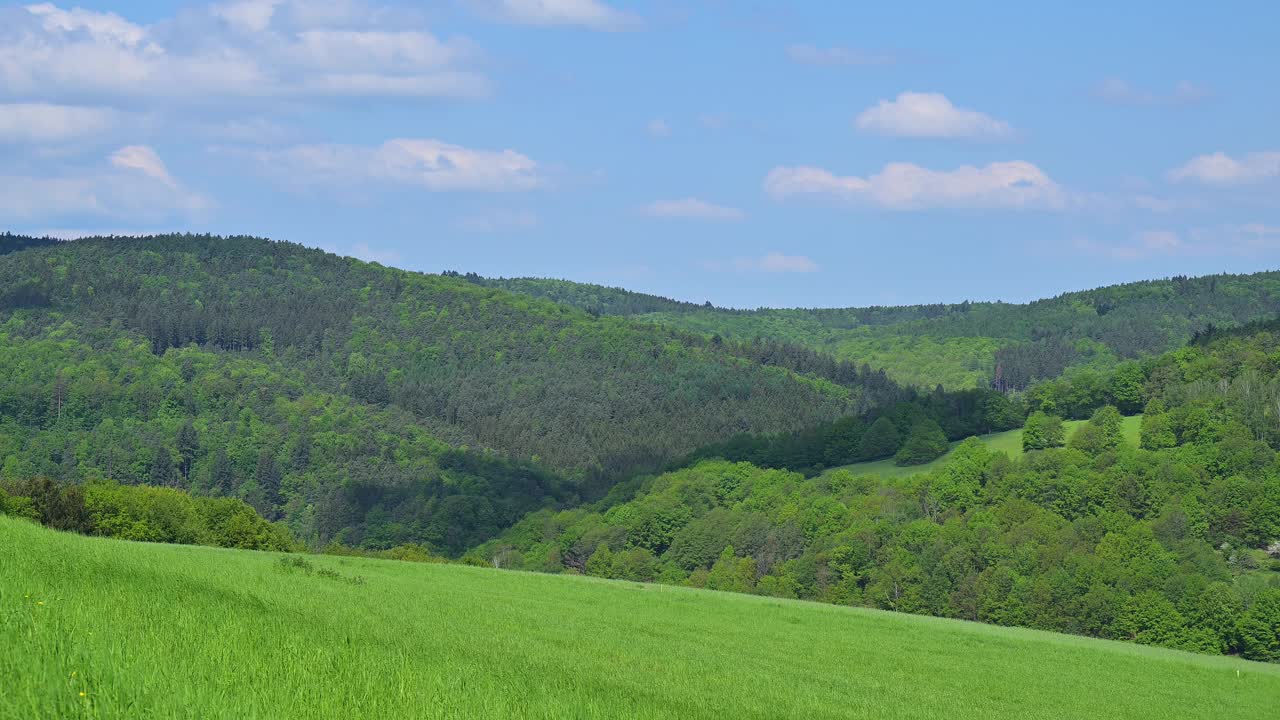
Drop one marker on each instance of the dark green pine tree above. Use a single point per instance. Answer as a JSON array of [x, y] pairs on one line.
[[882, 439], [188, 442], [268, 477], [162, 473], [300, 455], [222, 476]]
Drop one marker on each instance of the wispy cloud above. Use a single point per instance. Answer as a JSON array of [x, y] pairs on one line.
[[1222, 169], [498, 221], [930, 115], [714, 121], [590, 14], [1116, 91], [27, 123], [905, 186], [692, 209], [658, 127], [774, 262], [133, 184], [1241, 240], [430, 164], [249, 50], [144, 160], [364, 251], [813, 55]]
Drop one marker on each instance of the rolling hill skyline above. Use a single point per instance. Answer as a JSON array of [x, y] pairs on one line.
[[807, 155]]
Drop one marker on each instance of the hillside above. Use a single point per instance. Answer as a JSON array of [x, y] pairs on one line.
[[960, 345], [1008, 442], [1171, 540], [357, 402], [526, 377], [169, 631]]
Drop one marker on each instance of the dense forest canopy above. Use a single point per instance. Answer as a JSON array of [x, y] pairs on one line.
[[361, 404], [532, 379], [962, 344]]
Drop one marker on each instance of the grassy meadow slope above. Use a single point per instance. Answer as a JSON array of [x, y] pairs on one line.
[[1008, 442], [96, 628]]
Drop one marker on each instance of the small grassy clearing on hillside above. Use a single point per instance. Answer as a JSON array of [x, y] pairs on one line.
[[1009, 442]]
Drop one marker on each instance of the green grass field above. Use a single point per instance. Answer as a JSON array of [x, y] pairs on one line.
[[1009, 442], [110, 629]]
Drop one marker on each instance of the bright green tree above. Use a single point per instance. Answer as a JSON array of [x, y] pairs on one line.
[[1042, 431]]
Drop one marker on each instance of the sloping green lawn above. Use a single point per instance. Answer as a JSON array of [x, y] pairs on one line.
[[1009, 442], [100, 628]]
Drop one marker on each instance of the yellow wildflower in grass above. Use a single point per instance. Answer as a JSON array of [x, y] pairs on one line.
[[81, 693], [39, 602]]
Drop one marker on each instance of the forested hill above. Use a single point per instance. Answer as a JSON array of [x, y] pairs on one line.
[[341, 395], [1171, 540], [961, 345], [595, 299], [13, 243]]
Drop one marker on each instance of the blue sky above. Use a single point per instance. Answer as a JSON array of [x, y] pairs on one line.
[[747, 153]]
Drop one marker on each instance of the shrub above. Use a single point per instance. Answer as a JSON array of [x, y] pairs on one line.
[[926, 442], [1042, 431]]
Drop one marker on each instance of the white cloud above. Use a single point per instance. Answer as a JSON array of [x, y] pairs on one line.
[[498, 221], [658, 127], [133, 184], [381, 256], [246, 15], [1159, 240], [1222, 169], [251, 50], [929, 115], [773, 262], [811, 55], [27, 123], [714, 121], [431, 164], [249, 131], [904, 186], [1244, 240], [103, 25], [777, 262], [1117, 91], [1140, 246], [583, 13], [144, 160], [692, 209]]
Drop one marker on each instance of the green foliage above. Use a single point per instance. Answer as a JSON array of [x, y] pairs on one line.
[[1157, 427], [1042, 431], [881, 439], [148, 514], [956, 414], [1103, 432], [592, 397], [926, 442], [961, 345], [1260, 628], [329, 466], [1100, 538]]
